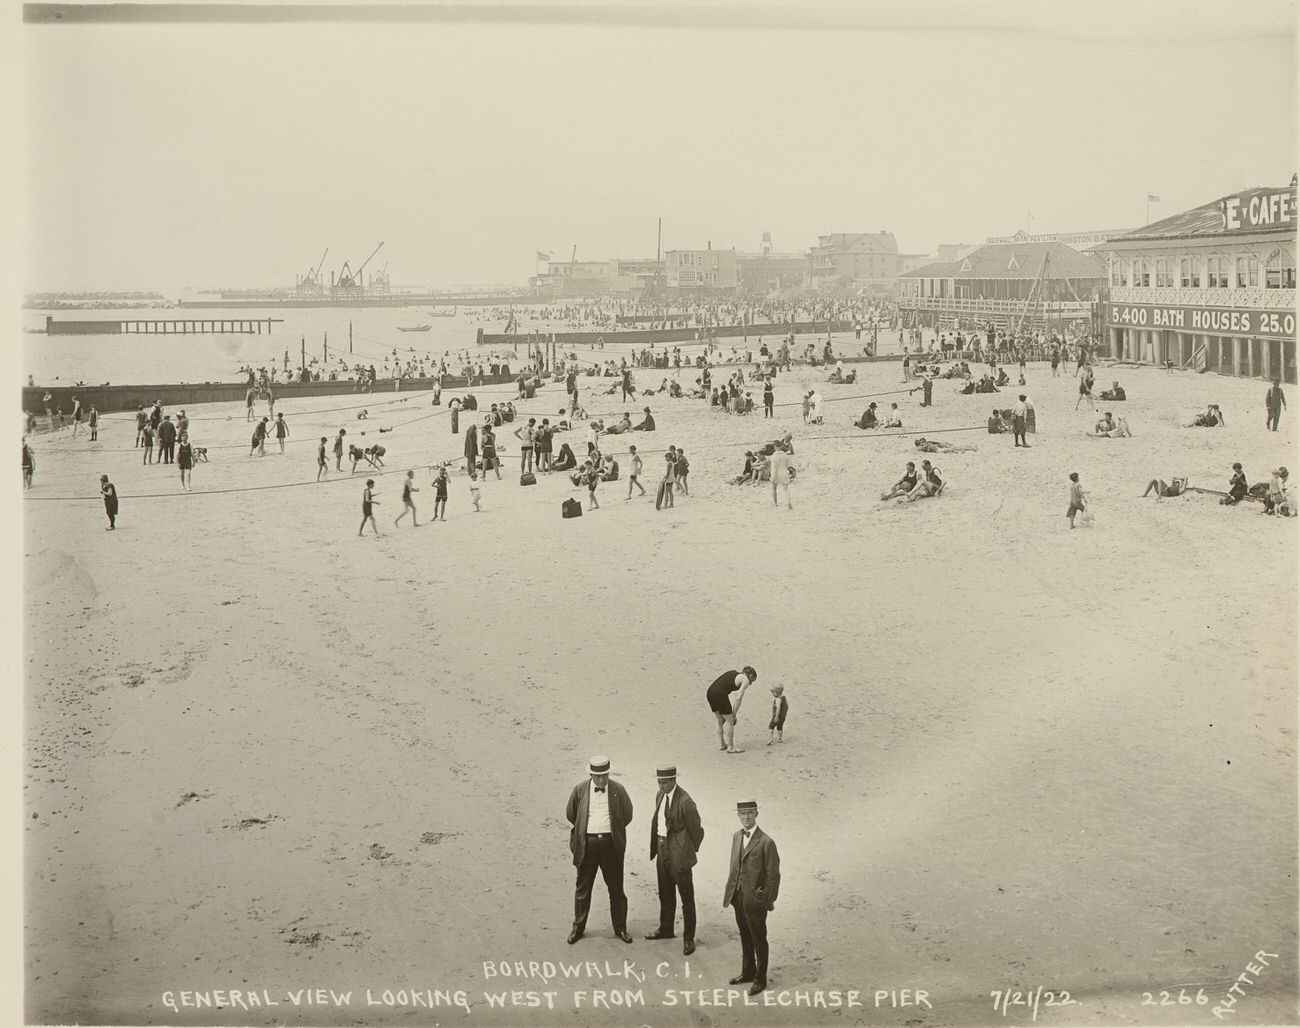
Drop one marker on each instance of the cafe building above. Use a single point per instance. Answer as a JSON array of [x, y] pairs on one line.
[[1212, 288]]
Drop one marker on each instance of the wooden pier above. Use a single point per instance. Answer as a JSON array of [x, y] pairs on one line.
[[161, 326]]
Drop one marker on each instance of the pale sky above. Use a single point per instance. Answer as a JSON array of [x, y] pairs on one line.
[[202, 155]]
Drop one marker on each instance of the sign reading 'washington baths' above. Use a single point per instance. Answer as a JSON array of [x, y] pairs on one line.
[[1278, 324]]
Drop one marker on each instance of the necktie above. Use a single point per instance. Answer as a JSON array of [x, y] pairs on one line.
[[599, 789]]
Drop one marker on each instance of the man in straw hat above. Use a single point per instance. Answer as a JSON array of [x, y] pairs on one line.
[[599, 811], [753, 882], [675, 837]]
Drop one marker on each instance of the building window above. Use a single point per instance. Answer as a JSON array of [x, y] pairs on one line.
[[1216, 273], [1280, 271], [1190, 276], [1141, 272], [1247, 271], [1164, 273]]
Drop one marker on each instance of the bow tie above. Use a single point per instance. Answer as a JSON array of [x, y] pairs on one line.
[[599, 789]]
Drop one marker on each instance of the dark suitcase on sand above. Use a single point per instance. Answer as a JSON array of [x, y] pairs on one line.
[[571, 508], [527, 478]]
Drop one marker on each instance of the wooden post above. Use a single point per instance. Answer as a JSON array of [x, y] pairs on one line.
[[349, 337], [304, 353]]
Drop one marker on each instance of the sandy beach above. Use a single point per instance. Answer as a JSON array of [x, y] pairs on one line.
[[265, 755]]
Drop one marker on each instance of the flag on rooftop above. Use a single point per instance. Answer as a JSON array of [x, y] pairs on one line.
[[541, 256], [1152, 198]]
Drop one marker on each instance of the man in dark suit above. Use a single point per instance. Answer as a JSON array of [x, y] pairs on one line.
[[752, 886], [675, 837], [599, 811]]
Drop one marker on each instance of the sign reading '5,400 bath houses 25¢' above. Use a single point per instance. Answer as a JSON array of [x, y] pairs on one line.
[[1277, 324]]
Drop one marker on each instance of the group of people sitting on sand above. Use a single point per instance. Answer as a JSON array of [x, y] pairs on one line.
[[870, 419], [758, 462], [595, 464], [1115, 392], [1110, 427], [624, 424], [986, 384], [1274, 494], [916, 485], [838, 376]]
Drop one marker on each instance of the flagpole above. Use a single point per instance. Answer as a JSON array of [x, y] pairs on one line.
[[1148, 208]]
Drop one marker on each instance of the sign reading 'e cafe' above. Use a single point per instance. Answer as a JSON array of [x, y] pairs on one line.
[[1259, 208]]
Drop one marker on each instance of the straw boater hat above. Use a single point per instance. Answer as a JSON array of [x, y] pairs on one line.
[[599, 765], [744, 805], [665, 771]]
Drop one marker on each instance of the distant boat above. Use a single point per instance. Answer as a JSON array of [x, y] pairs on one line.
[[443, 314], [414, 328]]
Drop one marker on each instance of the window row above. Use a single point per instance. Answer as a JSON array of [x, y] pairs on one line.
[[1213, 272]]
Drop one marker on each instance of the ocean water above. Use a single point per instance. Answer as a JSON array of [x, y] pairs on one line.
[[96, 359], [128, 359]]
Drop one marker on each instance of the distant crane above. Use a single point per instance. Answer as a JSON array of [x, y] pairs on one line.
[[350, 281], [379, 281], [310, 283]]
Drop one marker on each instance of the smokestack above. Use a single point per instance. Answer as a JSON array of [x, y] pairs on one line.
[[710, 244]]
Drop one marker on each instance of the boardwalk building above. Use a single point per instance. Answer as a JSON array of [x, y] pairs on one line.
[[1211, 288], [1041, 285]]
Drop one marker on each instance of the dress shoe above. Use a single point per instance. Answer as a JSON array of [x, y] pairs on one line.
[[575, 935], [688, 946], [757, 987], [661, 934], [622, 934], [741, 978]]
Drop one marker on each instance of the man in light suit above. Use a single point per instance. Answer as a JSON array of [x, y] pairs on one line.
[[599, 811], [675, 837], [752, 886]]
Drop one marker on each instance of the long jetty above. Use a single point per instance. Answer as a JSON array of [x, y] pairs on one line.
[[160, 326]]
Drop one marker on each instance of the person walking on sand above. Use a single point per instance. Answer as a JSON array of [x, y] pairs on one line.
[[185, 461], [259, 439], [780, 707], [726, 706], [1019, 414], [634, 478], [1077, 503], [109, 492], [248, 403], [490, 461], [408, 500], [779, 470], [769, 398], [281, 430], [1085, 387], [338, 449], [146, 435], [368, 502], [1275, 401], [93, 422], [141, 418], [440, 495], [526, 434], [322, 462], [76, 416]]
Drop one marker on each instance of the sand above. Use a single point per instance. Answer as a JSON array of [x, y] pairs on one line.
[[264, 754]]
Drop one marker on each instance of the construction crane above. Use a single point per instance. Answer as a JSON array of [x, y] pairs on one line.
[[309, 284], [350, 281], [379, 280]]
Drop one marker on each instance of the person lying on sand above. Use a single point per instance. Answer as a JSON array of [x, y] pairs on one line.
[[933, 446], [904, 485], [1175, 488], [624, 425], [1211, 417]]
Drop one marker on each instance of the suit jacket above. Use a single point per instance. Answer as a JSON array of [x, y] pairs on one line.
[[757, 871], [683, 830], [620, 816]]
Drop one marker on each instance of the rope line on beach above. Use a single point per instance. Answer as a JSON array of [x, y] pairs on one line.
[[455, 460]]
